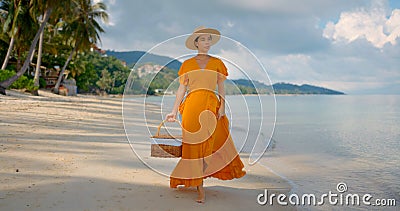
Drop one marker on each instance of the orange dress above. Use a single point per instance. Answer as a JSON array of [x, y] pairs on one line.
[[207, 147]]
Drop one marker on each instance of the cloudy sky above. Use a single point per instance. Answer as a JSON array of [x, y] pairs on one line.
[[347, 45]]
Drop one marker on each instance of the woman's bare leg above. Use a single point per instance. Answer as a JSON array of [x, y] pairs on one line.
[[202, 194]]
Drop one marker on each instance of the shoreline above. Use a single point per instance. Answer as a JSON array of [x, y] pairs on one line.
[[72, 153]]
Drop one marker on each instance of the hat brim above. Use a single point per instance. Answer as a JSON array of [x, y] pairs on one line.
[[215, 34]]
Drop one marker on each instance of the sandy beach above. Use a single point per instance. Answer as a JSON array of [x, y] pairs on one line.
[[71, 153]]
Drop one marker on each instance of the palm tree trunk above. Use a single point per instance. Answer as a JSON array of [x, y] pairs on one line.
[[6, 83], [38, 63], [33, 54], [10, 47], [18, 66], [63, 69]]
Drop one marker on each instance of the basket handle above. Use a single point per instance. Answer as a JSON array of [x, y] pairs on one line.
[[161, 124]]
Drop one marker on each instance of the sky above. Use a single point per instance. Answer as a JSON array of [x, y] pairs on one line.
[[345, 45]]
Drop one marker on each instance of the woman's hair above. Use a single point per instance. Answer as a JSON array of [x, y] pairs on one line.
[[197, 39]]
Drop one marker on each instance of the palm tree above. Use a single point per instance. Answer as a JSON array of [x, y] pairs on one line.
[[17, 24], [3, 36], [7, 8], [38, 60], [3, 16], [51, 31], [83, 29], [47, 6]]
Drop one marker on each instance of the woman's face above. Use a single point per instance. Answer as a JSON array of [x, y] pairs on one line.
[[203, 43]]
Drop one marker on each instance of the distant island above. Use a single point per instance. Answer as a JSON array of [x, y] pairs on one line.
[[287, 88], [166, 69], [255, 87]]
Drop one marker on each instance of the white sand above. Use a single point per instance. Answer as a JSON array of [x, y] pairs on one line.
[[71, 153]]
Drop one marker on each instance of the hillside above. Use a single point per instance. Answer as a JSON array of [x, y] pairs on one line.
[[132, 57], [254, 87], [287, 88]]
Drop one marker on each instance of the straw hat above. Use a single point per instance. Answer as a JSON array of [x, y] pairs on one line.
[[215, 35]]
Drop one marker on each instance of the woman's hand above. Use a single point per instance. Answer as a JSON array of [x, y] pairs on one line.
[[221, 112], [171, 117]]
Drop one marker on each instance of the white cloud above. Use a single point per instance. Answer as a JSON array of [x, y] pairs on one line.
[[370, 24], [393, 26]]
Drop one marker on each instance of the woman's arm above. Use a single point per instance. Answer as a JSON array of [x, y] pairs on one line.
[[221, 93], [178, 99]]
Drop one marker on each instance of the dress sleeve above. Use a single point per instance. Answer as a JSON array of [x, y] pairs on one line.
[[223, 71], [183, 78]]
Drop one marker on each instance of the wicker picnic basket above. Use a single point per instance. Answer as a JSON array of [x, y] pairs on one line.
[[166, 145]]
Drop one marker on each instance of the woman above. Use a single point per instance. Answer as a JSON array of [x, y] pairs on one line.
[[207, 147]]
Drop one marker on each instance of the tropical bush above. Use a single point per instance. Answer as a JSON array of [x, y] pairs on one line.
[[22, 82]]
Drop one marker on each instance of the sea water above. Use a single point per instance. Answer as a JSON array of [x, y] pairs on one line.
[[323, 141], [320, 141]]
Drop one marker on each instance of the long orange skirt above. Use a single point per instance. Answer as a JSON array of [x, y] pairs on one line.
[[207, 147]]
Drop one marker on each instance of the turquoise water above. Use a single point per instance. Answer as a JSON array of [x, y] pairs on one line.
[[322, 140]]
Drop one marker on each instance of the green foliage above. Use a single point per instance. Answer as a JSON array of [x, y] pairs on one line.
[[42, 83], [86, 80], [99, 73], [72, 25], [18, 22], [23, 82], [105, 81], [247, 90]]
